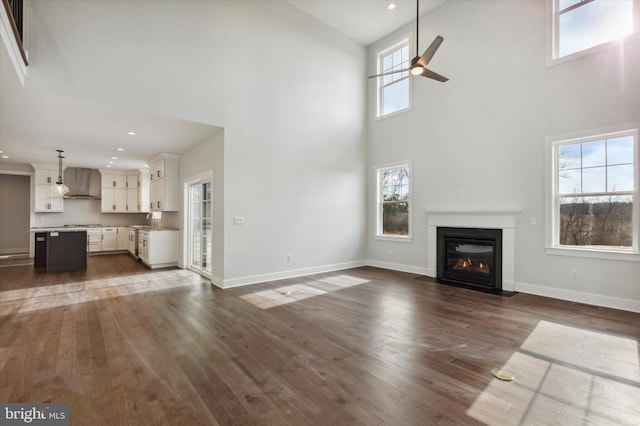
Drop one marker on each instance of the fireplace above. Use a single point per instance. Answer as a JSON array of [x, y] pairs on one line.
[[470, 257]]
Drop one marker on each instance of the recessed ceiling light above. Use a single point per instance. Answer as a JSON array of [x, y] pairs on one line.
[[114, 158], [108, 165], [131, 133], [110, 162], [120, 149], [5, 156], [391, 6]]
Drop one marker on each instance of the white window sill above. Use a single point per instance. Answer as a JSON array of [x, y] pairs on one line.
[[595, 253], [398, 239], [393, 114]]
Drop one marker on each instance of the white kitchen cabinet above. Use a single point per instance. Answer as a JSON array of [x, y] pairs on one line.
[[164, 186], [120, 191], [122, 241], [158, 249], [48, 199], [132, 241], [114, 200], [132, 203], [114, 181], [109, 239], [94, 239], [144, 190], [46, 196], [45, 176], [133, 181], [143, 248]]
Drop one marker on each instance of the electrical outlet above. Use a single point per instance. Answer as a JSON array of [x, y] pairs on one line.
[[533, 221], [574, 273], [238, 220], [289, 257]]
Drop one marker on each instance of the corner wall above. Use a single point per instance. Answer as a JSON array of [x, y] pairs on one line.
[[288, 90], [477, 142]]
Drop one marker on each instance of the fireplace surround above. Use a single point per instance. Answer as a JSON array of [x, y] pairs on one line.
[[506, 220]]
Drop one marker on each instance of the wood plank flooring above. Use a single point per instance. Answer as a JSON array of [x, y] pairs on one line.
[[124, 345]]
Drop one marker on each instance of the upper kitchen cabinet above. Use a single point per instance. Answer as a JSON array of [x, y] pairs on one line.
[[164, 186], [120, 191], [47, 197]]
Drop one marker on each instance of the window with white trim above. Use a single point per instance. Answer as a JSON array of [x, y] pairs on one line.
[[595, 192], [394, 201], [584, 25], [393, 89]]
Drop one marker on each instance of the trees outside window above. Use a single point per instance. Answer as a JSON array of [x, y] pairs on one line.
[[595, 192], [393, 200]]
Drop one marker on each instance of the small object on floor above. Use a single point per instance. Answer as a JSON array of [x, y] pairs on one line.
[[502, 375]]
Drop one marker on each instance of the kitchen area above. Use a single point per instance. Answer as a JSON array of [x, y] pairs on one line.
[[106, 211]]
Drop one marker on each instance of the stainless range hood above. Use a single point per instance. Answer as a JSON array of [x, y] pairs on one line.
[[83, 183]]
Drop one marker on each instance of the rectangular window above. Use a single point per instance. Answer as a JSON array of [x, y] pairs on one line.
[[583, 25], [394, 88], [595, 192], [394, 201]]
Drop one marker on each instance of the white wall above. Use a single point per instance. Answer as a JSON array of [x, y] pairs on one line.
[[207, 157], [288, 90], [483, 133], [14, 213]]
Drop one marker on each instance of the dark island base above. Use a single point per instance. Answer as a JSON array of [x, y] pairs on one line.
[[61, 251]]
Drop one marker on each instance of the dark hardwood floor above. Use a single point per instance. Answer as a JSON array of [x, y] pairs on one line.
[[126, 345]]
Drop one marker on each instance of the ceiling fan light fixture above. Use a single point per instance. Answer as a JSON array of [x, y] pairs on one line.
[[417, 70]]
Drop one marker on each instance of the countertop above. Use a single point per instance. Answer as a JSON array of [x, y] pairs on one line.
[[80, 228]]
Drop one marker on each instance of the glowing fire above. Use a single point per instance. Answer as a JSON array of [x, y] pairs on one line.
[[471, 266]]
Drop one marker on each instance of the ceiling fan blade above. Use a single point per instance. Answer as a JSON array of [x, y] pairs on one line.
[[431, 50], [390, 72], [435, 76]]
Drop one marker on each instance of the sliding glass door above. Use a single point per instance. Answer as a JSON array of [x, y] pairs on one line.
[[199, 223]]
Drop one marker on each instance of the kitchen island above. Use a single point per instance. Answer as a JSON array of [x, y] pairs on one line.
[[60, 249]]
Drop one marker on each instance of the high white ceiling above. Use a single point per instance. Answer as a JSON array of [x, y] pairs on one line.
[[33, 124], [365, 21]]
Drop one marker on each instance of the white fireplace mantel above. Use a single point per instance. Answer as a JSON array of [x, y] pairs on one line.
[[507, 220]]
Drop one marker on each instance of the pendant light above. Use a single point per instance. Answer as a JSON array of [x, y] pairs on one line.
[[60, 186]]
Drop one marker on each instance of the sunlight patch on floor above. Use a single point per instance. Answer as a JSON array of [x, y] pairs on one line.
[[555, 367], [282, 295], [53, 296]]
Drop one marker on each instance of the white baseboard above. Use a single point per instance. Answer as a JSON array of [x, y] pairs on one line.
[[217, 281], [255, 279], [580, 297], [420, 270], [7, 251], [569, 295]]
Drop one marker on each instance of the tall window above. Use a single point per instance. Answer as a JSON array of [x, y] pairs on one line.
[[579, 25], [596, 192], [200, 222], [394, 201], [393, 89]]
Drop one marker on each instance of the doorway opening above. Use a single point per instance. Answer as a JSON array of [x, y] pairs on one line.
[[199, 223]]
